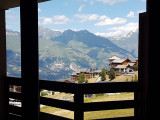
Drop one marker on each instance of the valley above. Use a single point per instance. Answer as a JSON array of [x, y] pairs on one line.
[[61, 53]]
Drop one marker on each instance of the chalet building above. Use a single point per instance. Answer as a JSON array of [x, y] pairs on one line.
[[116, 62], [122, 66], [95, 73], [120, 69], [113, 58], [134, 60], [124, 69], [89, 73], [76, 74]]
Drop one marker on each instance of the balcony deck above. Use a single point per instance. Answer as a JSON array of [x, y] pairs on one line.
[[78, 106]]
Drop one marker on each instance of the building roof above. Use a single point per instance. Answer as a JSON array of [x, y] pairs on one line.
[[6, 4], [83, 70], [86, 70], [118, 61], [114, 58], [130, 64], [121, 66], [97, 71], [133, 59]]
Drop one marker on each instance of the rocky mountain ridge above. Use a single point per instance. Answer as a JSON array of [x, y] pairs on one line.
[[62, 53]]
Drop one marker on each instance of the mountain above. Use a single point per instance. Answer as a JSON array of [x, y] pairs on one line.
[[128, 42], [90, 40], [62, 53], [46, 33], [10, 32]]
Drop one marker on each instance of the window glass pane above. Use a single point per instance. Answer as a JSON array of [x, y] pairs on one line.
[[85, 36], [13, 42]]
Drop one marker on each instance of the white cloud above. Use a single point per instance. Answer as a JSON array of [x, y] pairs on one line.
[[109, 21], [87, 17], [126, 28], [80, 8], [110, 34], [141, 11], [103, 17], [58, 19], [103, 20], [131, 14], [119, 31], [111, 2], [47, 21], [93, 17], [39, 10]]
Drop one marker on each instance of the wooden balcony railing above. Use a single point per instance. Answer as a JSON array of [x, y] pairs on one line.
[[78, 106]]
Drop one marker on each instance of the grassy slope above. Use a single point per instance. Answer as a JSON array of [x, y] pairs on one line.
[[108, 114], [122, 78], [95, 114]]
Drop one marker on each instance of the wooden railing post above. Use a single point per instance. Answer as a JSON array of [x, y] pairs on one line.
[[3, 88], [78, 103], [143, 68], [29, 59]]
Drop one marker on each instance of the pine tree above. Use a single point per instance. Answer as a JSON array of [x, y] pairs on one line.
[[81, 78], [103, 74], [112, 74]]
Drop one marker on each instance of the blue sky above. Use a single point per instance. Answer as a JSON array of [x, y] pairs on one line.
[[102, 17]]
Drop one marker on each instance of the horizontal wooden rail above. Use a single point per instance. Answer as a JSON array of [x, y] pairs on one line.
[[89, 88], [15, 95], [108, 105], [119, 118], [14, 81], [14, 117], [46, 116], [109, 87], [57, 86], [15, 110], [57, 103]]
